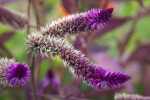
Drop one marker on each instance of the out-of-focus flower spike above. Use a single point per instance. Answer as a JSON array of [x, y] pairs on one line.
[[92, 74], [52, 79], [12, 18], [125, 96], [13, 73], [76, 23]]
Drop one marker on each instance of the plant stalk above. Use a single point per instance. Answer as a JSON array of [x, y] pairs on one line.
[[32, 78]]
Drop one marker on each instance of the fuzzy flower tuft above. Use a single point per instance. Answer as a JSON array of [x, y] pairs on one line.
[[97, 19], [13, 73], [4, 63], [76, 23], [17, 74], [92, 74]]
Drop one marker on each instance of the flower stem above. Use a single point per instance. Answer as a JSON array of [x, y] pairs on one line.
[[32, 57], [32, 78]]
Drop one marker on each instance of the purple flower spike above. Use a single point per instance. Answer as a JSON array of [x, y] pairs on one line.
[[92, 74], [77, 23], [100, 78], [97, 19], [17, 74]]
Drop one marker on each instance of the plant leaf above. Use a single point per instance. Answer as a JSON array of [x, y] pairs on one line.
[[6, 36], [142, 54], [71, 6], [113, 24], [97, 48]]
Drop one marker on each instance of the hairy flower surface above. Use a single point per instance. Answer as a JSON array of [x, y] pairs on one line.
[[4, 63], [92, 74], [13, 73], [96, 19], [12, 18], [124, 96], [81, 22], [17, 74]]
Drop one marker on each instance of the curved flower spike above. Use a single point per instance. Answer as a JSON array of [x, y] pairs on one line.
[[76, 23], [13, 73], [92, 74]]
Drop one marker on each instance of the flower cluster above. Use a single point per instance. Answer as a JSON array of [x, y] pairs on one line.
[[13, 73], [92, 74], [81, 22]]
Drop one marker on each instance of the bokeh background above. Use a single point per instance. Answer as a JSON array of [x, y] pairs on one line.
[[122, 46]]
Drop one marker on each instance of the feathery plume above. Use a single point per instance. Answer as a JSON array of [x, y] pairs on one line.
[[124, 96], [76, 23], [92, 74], [12, 18], [13, 73]]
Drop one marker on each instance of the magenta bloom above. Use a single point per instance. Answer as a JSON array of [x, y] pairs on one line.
[[17, 74], [99, 77], [97, 19]]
